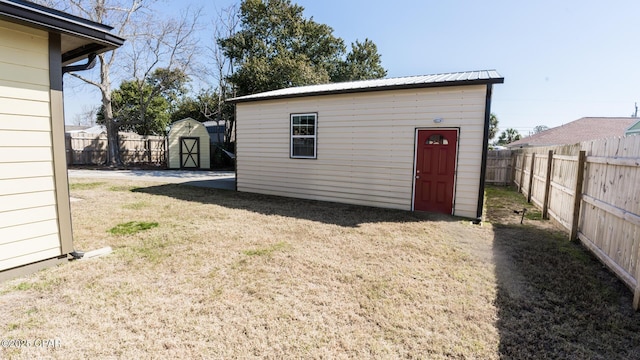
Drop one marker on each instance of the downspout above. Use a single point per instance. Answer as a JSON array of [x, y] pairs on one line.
[[485, 149], [91, 62], [235, 141]]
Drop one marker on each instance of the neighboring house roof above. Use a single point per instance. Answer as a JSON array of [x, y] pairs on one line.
[[410, 82], [74, 128], [96, 129], [584, 129], [633, 129], [213, 123], [79, 37]]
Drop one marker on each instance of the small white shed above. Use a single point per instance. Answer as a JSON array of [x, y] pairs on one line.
[[412, 143], [189, 145], [36, 46]]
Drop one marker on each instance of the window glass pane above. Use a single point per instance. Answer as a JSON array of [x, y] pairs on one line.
[[437, 139], [303, 125], [303, 147], [303, 131]]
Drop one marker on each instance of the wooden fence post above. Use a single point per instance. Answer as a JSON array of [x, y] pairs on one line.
[[636, 291], [509, 175], [533, 161], [524, 157], [547, 187], [148, 149], [69, 149], [578, 196], [636, 296], [514, 162]]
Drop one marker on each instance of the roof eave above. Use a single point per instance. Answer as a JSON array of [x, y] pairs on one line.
[[82, 52], [371, 89], [51, 20]]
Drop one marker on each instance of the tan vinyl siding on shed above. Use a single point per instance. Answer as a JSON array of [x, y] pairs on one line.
[[365, 145], [28, 216]]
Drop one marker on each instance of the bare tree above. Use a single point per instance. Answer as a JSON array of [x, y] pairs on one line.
[[162, 57], [150, 40], [54, 4], [124, 16], [540, 128], [225, 26], [87, 117]]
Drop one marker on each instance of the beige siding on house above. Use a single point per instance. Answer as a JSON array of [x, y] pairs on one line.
[[30, 250], [29, 200], [19, 122], [28, 217], [20, 154], [36, 214], [365, 145], [181, 129]]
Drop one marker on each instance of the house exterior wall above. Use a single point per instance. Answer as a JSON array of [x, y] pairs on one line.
[[180, 129], [29, 223], [365, 145], [633, 129]]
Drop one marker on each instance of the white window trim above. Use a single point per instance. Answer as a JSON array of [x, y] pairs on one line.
[[314, 136]]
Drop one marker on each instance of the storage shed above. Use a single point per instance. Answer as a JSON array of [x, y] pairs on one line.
[[412, 143], [189, 146], [36, 44]]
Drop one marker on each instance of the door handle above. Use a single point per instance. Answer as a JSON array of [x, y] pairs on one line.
[[417, 176]]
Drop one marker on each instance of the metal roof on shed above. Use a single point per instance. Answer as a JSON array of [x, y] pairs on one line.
[[409, 82]]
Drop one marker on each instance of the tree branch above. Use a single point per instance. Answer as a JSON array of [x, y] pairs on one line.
[[88, 81]]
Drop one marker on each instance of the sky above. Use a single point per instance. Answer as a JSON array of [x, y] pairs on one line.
[[561, 60]]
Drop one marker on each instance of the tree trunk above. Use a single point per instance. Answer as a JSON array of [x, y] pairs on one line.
[[113, 153], [113, 148]]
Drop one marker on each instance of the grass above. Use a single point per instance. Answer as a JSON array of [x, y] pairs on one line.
[[85, 185], [233, 275], [154, 250], [123, 188], [505, 201], [132, 227], [554, 298], [265, 251]]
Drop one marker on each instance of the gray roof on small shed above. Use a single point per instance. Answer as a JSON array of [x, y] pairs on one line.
[[409, 82], [80, 37]]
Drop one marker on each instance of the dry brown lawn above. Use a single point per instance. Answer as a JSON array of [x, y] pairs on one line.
[[233, 275]]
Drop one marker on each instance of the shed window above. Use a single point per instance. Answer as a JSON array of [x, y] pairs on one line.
[[303, 135], [437, 139]]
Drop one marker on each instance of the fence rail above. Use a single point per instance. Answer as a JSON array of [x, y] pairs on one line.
[[91, 149], [593, 190]]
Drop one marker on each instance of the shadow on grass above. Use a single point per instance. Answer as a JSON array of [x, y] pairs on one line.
[[556, 301], [320, 211]]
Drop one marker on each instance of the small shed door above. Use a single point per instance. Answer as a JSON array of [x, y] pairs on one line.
[[435, 170], [189, 152]]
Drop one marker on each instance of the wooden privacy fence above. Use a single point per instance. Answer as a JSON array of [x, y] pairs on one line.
[[499, 167], [593, 190], [91, 149]]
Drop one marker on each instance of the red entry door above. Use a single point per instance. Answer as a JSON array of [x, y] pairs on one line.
[[435, 170]]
